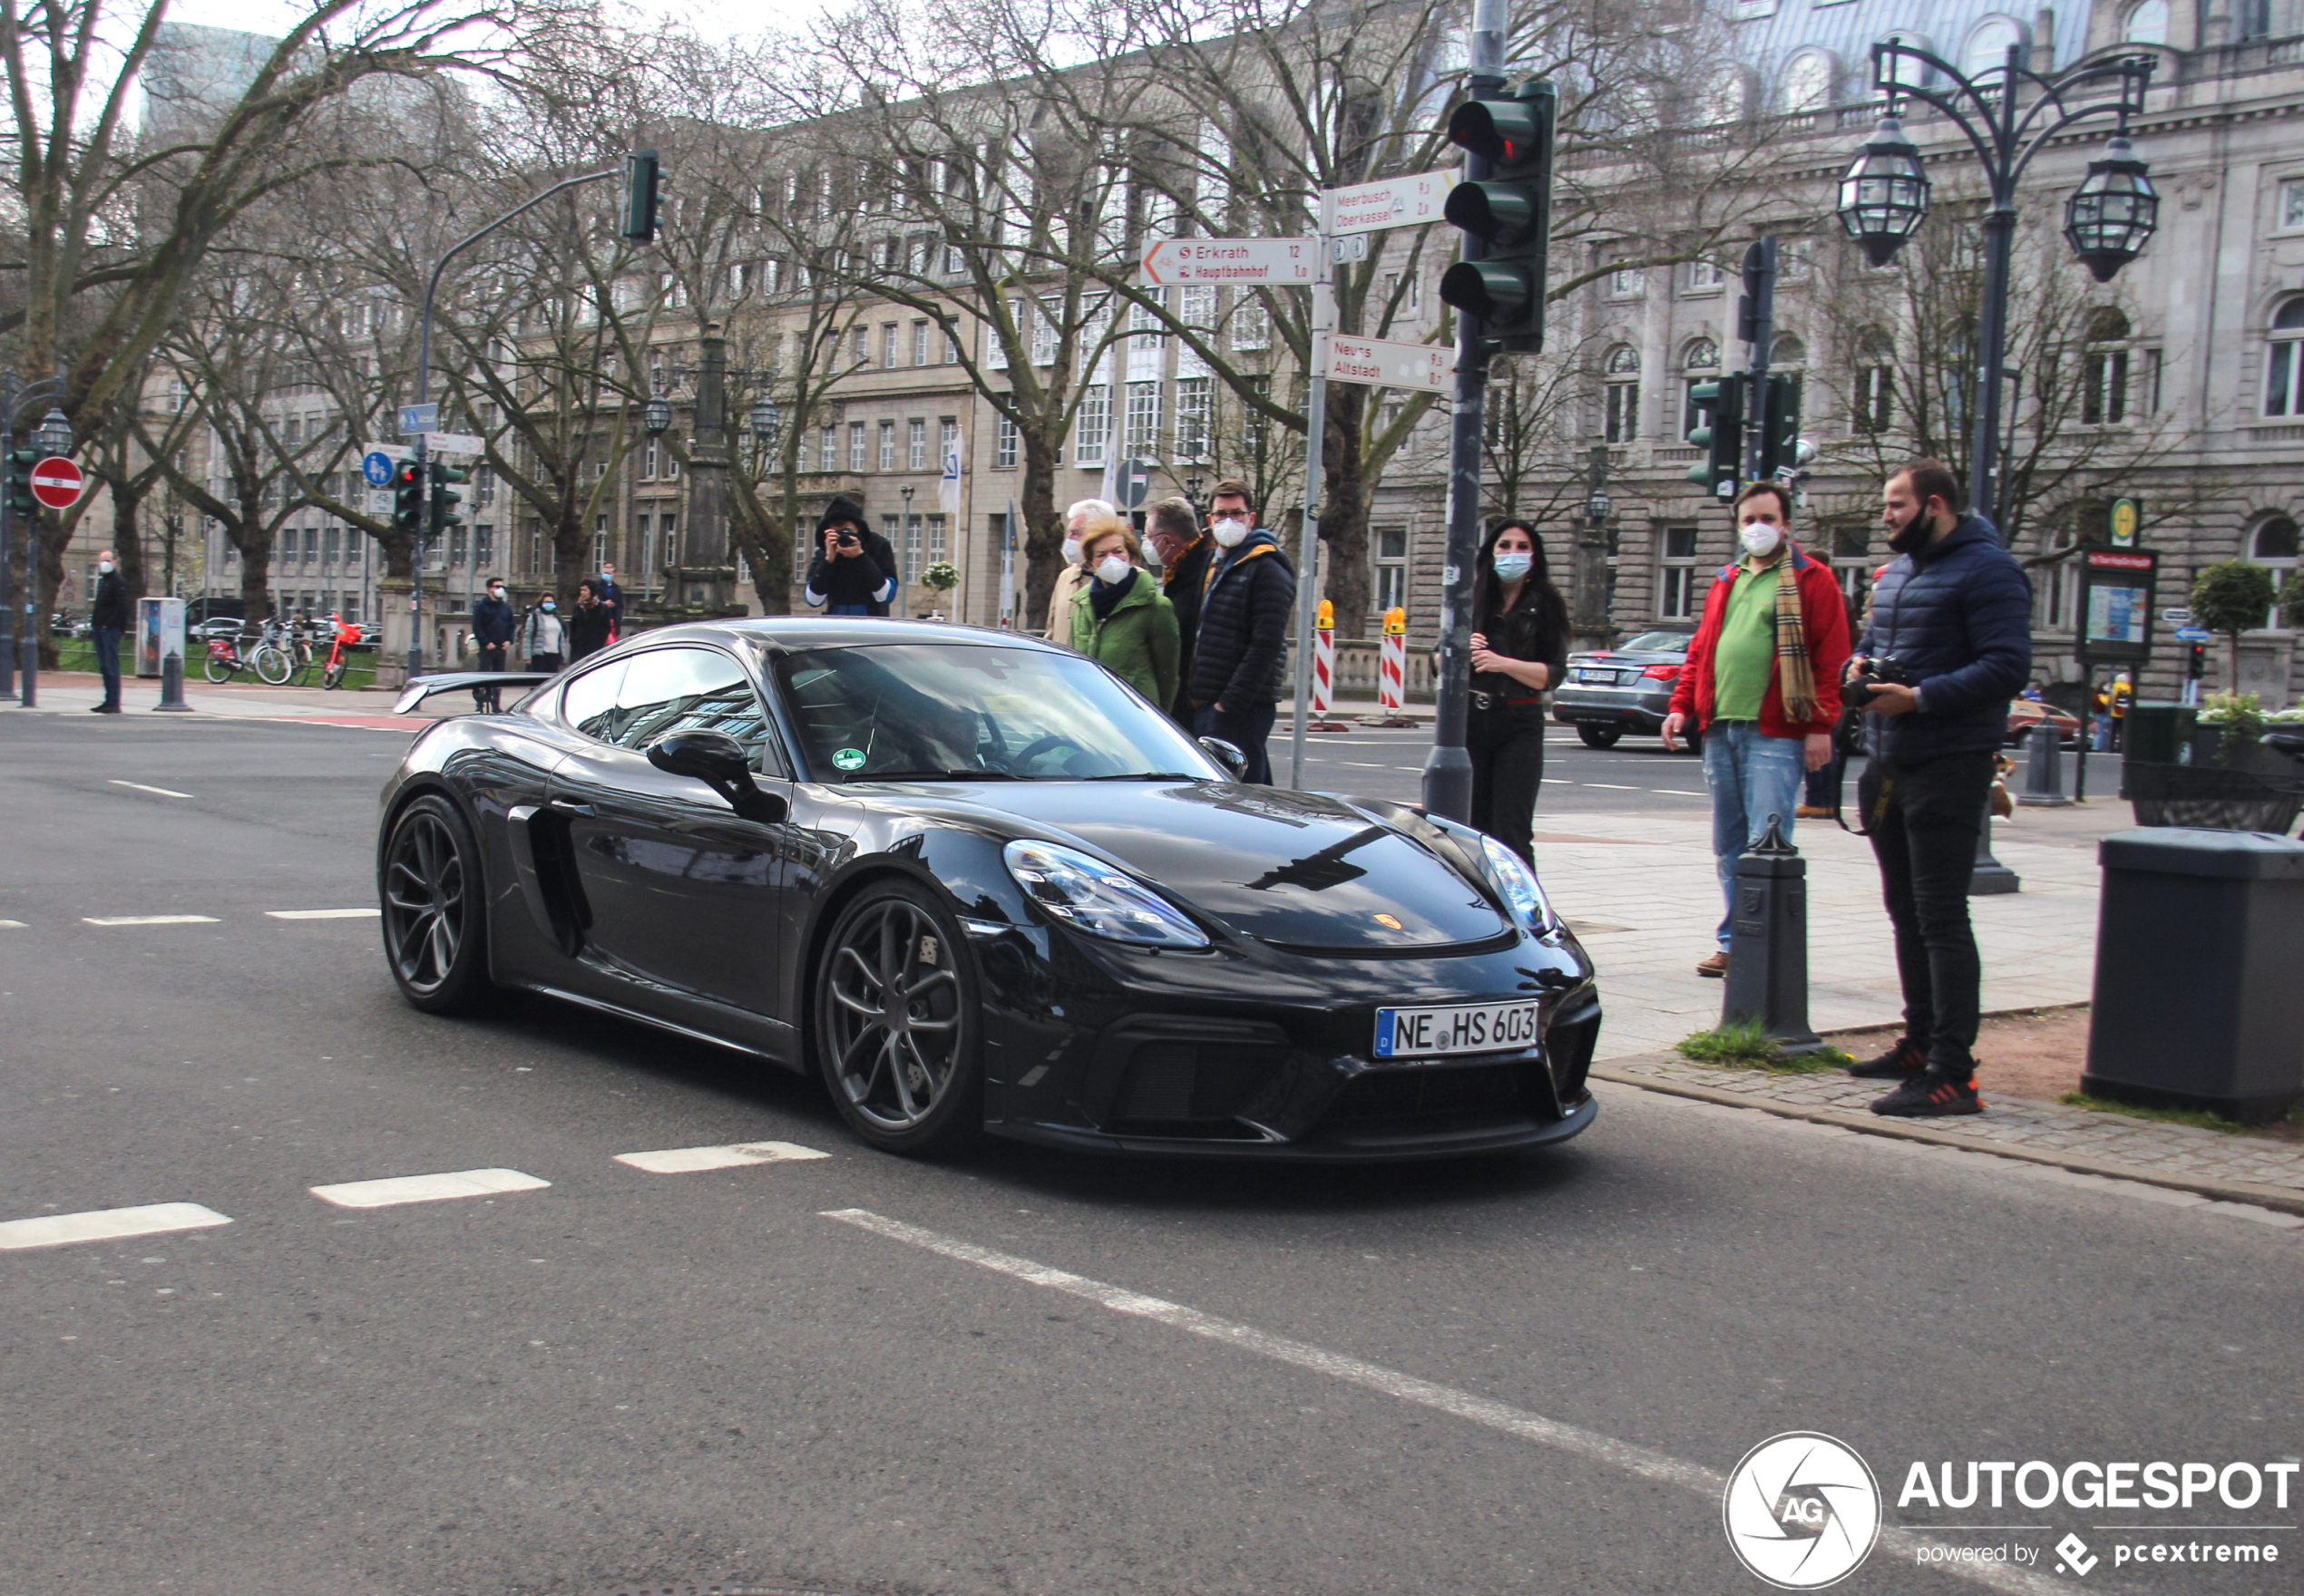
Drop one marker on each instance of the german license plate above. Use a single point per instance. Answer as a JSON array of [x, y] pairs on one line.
[[1598, 678], [1471, 1028]]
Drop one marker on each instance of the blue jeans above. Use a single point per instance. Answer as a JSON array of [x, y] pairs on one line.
[[1752, 776], [108, 662]]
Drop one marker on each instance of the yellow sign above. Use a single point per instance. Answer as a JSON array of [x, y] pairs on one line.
[[1395, 622], [1327, 622], [2127, 515]]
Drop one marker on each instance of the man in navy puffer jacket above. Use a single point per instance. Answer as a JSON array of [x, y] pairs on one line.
[[1955, 613]]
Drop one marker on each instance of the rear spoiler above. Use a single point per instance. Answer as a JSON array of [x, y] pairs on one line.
[[422, 687]]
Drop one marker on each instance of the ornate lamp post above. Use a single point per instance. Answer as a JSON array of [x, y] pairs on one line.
[[656, 415], [2009, 113], [52, 436]]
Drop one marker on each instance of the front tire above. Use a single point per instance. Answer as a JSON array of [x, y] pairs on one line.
[[272, 666], [332, 675], [436, 912], [896, 1027], [1600, 736]]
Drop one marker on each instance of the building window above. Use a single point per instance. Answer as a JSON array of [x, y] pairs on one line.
[[1703, 275], [1251, 323], [2103, 390], [1873, 407], [2060, 593], [920, 343], [1988, 45], [947, 438], [855, 445], [2284, 365], [2291, 215], [1627, 282], [1197, 306], [936, 541], [1621, 394], [2274, 545], [1809, 84], [952, 348], [1390, 548], [1044, 336], [1701, 361], [1095, 423], [916, 444], [1195, 407], [887, 445], [827, 450], [1143, 436], [1676, 591], [858, 338], [892, 529], [2147, 22], [887, 343], [1004, 445]]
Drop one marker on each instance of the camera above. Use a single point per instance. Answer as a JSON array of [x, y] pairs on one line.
[[1879, 670]]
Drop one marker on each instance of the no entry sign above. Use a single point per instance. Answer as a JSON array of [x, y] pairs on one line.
[[56, 482]]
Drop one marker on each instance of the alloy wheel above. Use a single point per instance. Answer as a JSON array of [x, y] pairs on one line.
[[424, 901], [893, 1015]]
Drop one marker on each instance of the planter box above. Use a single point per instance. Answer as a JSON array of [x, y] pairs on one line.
[[2248, 788]]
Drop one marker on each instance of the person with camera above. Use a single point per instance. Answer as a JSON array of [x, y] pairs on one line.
[[1760, 687], [856, 572], [1948, 646]]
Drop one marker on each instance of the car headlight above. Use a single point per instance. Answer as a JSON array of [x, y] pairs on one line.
[[1089, 895], [1519, 886]]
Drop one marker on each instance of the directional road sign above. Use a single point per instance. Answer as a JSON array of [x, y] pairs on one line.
[[1231, 260], [1387, 362], [453, 442], [56, 482], [2193, 634], [419, 418], [1389, 202], [377, 466]]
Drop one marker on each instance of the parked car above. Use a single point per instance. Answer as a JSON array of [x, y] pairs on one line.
[[1612, 691], [222, 625], [2026, 713]]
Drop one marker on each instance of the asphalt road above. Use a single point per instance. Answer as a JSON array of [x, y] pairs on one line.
[[1015, 1373], [1637, 775]]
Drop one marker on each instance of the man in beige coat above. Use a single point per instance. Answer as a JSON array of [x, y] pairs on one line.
[[1069, 580]]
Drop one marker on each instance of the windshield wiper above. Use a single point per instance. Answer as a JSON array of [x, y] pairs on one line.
[[1147, 775], [939, 775]]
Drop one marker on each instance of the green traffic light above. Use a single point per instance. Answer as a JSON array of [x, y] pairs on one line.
[[1493, 290]]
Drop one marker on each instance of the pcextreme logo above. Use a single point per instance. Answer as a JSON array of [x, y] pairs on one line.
[[1801, 1511]]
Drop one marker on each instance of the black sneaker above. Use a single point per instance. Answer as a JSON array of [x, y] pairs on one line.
[[1899, 1063], [1930, 1095]]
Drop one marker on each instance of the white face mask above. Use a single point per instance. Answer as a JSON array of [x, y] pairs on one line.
[[1232, 533], [1512, 568], [1071, 552], [1760, 540], [1111, 569], [104, 566]]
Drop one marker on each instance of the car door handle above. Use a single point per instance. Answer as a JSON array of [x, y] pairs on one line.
[[569, 806]]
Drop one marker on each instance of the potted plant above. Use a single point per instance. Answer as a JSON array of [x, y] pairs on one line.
[[940, 578], [2227, 779]]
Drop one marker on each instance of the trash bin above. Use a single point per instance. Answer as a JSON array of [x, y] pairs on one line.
[[2158, 734], [2197, 1004]]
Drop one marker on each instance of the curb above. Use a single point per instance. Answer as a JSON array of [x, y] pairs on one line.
[[2276, 1198]]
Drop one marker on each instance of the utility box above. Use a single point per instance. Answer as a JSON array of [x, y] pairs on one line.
[[2158, 734], [2197, 1002]]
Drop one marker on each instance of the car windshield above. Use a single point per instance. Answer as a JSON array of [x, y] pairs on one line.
[[936, 711], [1655, 643]]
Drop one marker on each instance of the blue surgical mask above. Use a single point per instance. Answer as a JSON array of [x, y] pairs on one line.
[[549, 606], [1512, 568]]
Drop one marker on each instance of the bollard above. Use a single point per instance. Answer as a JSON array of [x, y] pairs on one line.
[[1991, 878], [1768, 943], [2042, 772], [171, 685]]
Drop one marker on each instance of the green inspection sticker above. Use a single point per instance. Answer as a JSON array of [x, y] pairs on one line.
[[849, 759]]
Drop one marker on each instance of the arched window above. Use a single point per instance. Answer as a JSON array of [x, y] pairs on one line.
[[2147, 22], [1701, 354], [1810, 81], [1701, 361], [2284, 363], [2104, 394], [1620, 395], [1787, 350], [1988, 44], [1872, 407], [2275, 545]]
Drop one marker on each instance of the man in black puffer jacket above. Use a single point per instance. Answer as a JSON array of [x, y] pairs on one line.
[[1243, 628], [1955, 613]]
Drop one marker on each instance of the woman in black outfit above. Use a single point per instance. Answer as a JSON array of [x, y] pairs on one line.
[[1519, 648]]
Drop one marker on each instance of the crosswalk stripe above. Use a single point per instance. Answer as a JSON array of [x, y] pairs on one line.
[[107, 1224], [683, 1160], [394, 1190]]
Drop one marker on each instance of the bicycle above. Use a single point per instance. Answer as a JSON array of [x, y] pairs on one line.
[[339, 648], [268, 661]]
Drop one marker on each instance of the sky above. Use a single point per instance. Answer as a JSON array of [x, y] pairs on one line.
[[275, 17]]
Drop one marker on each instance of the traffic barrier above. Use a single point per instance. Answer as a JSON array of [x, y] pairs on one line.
[[1323, 673], [1391, 671]]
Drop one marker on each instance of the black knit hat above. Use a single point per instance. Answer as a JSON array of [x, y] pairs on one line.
[[841, 509]]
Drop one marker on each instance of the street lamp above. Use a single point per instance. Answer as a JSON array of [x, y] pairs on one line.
[[53, 434], [656, 414], [764, 422], [1598, 505], [2009, 113], [1192, 490]]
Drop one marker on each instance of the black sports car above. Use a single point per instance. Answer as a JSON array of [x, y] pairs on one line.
[[972, 880]]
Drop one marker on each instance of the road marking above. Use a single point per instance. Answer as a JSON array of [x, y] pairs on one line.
[[163, 791], [1613, 786], [1518, 1421], [322, 913], [13, 925], [153, 920], [107, 1224], [397, 1189], [683, 1160], [1677, 792]]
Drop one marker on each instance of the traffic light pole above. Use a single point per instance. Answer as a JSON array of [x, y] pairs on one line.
[[1323, 322], [1756, 324], [1448, 771]]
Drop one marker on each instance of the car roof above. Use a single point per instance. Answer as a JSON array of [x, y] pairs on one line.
[[837, 631]]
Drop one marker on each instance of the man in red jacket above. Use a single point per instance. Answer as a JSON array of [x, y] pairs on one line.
[[1761, 686]]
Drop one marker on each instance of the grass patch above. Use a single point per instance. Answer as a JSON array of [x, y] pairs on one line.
[[2199, 1117], [1744, 1046]]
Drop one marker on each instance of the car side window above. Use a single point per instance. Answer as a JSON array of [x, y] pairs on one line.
[[589, 703], [687, 689]]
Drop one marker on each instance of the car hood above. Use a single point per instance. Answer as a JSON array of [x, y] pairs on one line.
[[1292, 869]]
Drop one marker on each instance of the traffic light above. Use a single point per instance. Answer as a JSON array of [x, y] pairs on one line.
[[444, 499], [20, 499], [1507, 214], [641, 173], [1720, 433], [407, 499], [1780, 432]]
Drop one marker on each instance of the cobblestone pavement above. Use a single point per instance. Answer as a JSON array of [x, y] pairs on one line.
[[2212, 1164]]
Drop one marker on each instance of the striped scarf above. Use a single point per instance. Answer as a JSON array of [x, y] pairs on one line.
[[1794, 673]]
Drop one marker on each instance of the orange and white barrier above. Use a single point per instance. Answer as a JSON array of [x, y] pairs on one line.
[[1323, 672]]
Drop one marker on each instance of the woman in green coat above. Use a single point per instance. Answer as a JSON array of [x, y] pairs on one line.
[[1120, 619]]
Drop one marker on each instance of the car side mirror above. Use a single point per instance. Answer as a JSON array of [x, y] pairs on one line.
[[719, 762], [1226, 754]]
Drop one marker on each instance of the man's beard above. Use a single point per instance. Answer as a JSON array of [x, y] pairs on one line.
[[1912, 536]]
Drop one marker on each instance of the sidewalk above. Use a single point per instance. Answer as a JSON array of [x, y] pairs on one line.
[[77, 692]]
